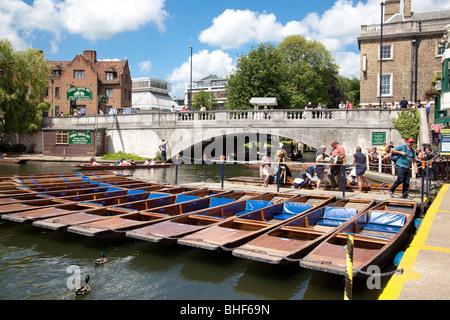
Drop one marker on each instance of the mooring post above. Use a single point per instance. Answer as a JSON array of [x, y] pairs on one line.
[[176, 169], [204, 167], [278, 174], [222, 170], [343, 179], [423, 181], [349, 270]]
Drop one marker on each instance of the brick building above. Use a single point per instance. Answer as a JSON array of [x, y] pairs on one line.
[[104, 78], [411, 53]]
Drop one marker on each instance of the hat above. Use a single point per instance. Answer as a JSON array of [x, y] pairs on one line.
[[410, 140]]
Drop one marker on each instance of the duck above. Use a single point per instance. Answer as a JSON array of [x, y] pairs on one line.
[[101, 260], [85, 288]]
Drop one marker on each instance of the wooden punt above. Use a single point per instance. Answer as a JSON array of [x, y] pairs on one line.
[[154, 199], [47, 208], [379, 233], [173, 229], [117, 226], [116, 167], [290, 241], [234, 232]]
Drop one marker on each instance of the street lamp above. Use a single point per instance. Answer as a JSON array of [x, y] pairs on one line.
[[190, 87]]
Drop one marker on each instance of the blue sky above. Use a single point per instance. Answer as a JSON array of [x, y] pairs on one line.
[[155, 35]]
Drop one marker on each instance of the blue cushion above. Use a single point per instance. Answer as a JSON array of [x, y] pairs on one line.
[[295, 207], [335, 216], [184, 198], [219, 201], [385, 222], [156, 195], [114, 189], [253, 205], [135, 191]]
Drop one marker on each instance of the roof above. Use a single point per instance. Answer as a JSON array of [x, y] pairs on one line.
[[422, 16], [148, 100], [263, 101]]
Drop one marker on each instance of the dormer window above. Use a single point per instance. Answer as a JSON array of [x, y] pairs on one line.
[[111, 75], [56, 73]]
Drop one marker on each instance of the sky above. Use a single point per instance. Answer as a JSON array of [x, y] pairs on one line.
[[156, 35]]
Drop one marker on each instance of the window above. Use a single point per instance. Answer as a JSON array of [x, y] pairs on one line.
[[62, 137], [56, 92], [109, 93], [441, 48], [386, 52], [386, 85], [78, 74], [110, 75], [56, 73]]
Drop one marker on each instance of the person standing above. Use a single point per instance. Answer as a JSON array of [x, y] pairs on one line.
[[435, 132], [404, 103], [163, 148], [359, 159], [321, 156], [428, 109], [406, 155], [336, 173]]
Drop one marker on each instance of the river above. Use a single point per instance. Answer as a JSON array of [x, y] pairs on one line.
[[38, 264]]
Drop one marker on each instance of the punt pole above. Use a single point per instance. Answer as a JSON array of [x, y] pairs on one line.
[[349, 270]]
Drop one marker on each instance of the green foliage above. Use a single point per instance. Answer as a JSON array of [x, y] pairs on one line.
[[261, 73], [295, 72], [119, 155], [408, 124], [206, 99], [23, 83]]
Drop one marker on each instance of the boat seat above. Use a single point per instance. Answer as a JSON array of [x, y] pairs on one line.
[[91, 203], [135, 192], [215, 202], [385, 221], [253, 205], [156, 195], [184, 198], [335, 216], [291, 209]]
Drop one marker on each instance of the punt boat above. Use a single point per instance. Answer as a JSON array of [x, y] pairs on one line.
[[11, 160], [154, 199], [290, 241], [379, 233], [244, 227], [116, 167], [117, 225], [46, 208], [178, 227]]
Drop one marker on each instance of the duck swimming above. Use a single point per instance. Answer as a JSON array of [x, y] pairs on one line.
[[101, 260], [85, 288]]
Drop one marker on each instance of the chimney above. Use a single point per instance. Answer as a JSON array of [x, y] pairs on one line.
[[407, 10], [392, 7], [90, 55]]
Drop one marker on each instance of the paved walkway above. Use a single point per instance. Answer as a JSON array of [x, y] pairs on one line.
[[425, 262]]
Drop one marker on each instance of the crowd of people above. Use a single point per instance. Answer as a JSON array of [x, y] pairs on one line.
[[404, 157]]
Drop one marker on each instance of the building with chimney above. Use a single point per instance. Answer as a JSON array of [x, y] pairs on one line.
[[402, 55], [108, 81]]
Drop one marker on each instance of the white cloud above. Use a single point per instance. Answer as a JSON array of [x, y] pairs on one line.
[[204, 63], [93, 20], [145, 66], [337, 28]]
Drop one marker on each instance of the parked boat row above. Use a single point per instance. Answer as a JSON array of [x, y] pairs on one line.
[[276, 228], [106, 166]]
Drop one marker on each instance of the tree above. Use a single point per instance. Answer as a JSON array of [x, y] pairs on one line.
[[23, 82], [310, 70], [206, 99], [261, 73]]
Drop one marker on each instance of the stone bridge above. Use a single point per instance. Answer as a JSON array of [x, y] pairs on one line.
[[215, 133]]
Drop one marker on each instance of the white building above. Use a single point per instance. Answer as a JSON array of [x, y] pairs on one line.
[[213, 84], [152, 94]]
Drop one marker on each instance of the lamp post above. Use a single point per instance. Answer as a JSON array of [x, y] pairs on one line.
[[381, 50], [190, 85]]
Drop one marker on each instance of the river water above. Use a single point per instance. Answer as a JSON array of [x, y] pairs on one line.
[[40, 264]]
